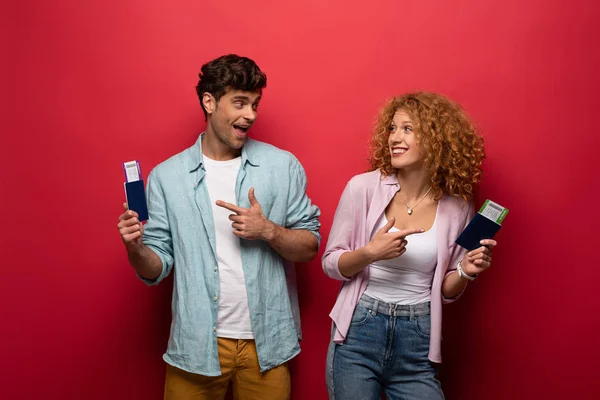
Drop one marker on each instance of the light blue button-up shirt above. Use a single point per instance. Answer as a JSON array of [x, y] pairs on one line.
[[180, 229]]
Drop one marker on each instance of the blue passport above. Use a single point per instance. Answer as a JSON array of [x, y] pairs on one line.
[[478, 229], [136, 198], [484, 225]]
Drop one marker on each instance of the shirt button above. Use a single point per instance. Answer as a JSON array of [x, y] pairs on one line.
[[214, 329], [215, 298], [215, 268]]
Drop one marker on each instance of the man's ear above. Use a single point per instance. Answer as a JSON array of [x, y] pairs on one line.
[[209, 102]]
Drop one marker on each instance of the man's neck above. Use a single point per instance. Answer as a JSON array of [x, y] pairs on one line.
[[215, 149]]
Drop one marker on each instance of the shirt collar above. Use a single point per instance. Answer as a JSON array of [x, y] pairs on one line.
[[196, 159]]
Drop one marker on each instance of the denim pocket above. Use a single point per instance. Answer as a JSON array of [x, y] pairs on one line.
[[423, 325], [361, 316]]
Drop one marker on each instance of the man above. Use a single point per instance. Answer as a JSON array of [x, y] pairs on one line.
[[226, 212]]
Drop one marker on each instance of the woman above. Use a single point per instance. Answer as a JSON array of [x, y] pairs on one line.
[[392, 245]]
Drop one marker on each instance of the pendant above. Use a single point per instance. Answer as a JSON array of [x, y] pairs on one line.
[[409, 211]]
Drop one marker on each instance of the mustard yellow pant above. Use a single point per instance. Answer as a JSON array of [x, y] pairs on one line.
[[239, 365]]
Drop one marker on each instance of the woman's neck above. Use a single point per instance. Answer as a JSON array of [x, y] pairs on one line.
[[414, 183]]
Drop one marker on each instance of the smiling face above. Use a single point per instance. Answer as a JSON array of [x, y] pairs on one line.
[[403, 145], [232, 116]]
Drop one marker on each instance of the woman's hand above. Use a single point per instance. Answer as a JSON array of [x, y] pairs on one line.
[[479, 260], [386, 245]]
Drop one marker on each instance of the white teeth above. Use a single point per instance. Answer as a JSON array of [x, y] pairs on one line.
[[398, 151]]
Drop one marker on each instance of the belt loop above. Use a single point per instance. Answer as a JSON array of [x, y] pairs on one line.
[[412, 312], [375, 306]]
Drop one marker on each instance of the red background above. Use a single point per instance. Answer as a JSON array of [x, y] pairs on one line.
[[91, 84]]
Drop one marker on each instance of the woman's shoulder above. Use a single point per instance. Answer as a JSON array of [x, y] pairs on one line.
[[457, 205], [366, 180]]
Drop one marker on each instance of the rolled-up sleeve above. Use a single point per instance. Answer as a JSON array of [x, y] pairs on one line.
[[457, 254], [157, 233], [301, 213], [341, 237]]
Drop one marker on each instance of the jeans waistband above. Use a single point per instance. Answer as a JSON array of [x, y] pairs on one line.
[[396, 310]]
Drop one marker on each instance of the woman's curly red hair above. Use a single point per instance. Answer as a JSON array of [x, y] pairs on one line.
[[452, 146]]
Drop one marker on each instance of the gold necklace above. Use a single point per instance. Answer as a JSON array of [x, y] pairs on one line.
[[410, 209]]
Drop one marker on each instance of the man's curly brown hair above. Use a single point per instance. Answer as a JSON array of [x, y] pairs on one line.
[[452, 146]]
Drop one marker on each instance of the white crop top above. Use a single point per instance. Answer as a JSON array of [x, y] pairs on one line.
[[406, 279]]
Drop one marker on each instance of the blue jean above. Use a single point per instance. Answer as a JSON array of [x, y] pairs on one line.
[[386, 350]]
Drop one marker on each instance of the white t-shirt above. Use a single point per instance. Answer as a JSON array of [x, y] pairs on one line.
[[406, 279], [233, 320]]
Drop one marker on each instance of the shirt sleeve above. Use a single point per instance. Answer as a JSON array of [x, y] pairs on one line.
[[341, 237], [458, 253], [301, 213], [157, 233]]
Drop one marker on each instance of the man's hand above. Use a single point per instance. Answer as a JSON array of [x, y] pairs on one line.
[[130, 228], [250, 223]]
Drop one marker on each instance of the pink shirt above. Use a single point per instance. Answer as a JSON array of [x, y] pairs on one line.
[[363, 201]]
